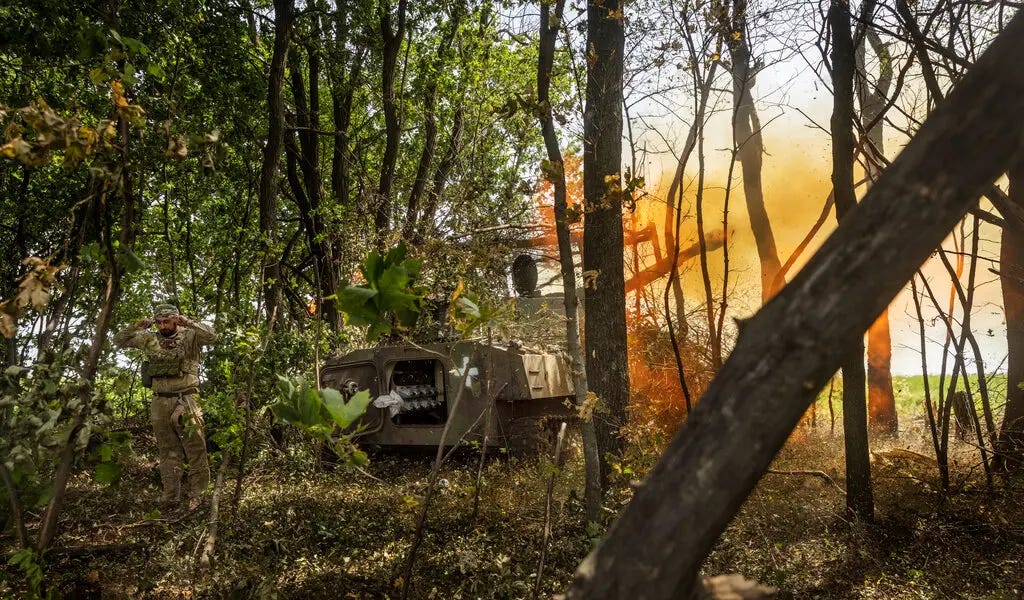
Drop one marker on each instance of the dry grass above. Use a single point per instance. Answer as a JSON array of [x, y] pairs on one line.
[[303, 534]]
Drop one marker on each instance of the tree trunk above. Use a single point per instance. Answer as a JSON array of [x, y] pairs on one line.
[[1011, 279], [342, 92], [882, 418], [392, 37], [746, 128], [320, 242], [419, 186], [859, 501], [549, 26], [603, 278], [284, 15], [789, 350]]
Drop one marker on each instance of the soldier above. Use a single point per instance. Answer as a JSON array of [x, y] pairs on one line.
[[172, 365]]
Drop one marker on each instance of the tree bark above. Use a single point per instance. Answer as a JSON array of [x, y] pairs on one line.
[[859, 501], [284, 15], [788, 351], [882, 418], [419, 186], [549, 26], [746, 128], [392, 36], [1011, 280], [317, 231], [342, 93], [603, 277]]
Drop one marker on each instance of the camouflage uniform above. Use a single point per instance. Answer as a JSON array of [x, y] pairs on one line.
[[176, 417]]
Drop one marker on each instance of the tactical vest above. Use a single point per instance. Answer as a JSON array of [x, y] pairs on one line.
[[164, 363]]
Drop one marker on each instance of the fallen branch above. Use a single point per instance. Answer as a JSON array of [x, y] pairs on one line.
[[206, 558], [87, 551], [811, 473], [547, 509]]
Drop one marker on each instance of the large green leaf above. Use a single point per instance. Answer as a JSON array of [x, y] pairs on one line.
[[355, 301], [298, 405], [345, 413], [107, 473], [388, 296]]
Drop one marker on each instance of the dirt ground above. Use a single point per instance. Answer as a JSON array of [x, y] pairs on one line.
[[302, 533]]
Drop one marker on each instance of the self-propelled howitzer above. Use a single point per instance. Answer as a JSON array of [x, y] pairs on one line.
[[510, 395]]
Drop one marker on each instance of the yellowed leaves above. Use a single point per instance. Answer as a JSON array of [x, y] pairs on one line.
[[33, 292], [177, 147], [133, 113], [8, 327], [586, 409], [16, 148], [117, 94], [36, 130], [35, 287]]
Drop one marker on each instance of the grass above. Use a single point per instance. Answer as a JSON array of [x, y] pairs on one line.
[[909, 393], [299, 533]]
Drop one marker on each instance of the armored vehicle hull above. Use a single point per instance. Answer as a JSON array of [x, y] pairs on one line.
[[501, 396]]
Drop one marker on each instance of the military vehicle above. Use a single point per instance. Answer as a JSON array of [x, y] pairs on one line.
[[513, 394]]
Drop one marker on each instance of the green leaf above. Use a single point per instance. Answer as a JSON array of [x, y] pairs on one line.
[[395, 255], [345, 413], [129, 72], [372, 267], [311, 407], [107, 473], [468, 308], [15, 370], [131, 261], [387, 296], [359, 458], [286, 413], [156, 71], [98, 75], [353, 301]]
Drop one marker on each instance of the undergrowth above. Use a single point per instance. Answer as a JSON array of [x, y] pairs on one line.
[[302, 533]]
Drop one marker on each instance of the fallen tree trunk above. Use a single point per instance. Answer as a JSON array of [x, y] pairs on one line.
[[790, 349]]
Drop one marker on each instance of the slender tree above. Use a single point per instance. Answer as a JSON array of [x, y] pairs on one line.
[[603, 279], [873, 97], [859, 500], [284, 15], [1011, 279], [550, 24], [392, 31], [749, 144], [430, 129]]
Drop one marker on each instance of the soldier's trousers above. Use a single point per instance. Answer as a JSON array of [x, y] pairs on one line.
[[178, 426]]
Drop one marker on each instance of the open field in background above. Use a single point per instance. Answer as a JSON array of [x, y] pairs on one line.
[[909, 391]]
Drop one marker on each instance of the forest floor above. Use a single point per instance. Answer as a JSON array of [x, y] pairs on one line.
[[300, 533]]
